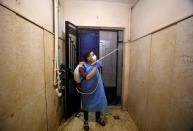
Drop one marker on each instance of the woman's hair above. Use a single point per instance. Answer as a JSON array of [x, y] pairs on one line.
[[86, 55]]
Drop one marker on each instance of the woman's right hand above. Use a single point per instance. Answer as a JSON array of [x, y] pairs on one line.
[[98, 64]]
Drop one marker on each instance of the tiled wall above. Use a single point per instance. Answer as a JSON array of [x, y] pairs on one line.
[[27, 98], [161, 79], [150, 15]]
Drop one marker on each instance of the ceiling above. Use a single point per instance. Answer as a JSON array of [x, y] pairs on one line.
[[130, 2]]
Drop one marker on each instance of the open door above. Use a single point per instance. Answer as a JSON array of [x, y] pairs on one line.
[[71, 97]]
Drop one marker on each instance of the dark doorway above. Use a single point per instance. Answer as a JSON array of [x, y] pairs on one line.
[[102, 42]]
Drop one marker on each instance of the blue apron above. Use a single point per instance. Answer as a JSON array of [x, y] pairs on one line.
[[97, 101]]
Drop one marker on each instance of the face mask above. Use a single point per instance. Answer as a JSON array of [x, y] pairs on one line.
[[94, 58]]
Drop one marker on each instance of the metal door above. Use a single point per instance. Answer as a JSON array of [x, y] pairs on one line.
[[72, 98]]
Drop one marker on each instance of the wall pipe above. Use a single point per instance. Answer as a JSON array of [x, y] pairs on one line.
[[56, 70]]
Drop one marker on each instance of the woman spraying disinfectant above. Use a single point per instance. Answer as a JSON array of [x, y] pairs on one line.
[[91, 81]]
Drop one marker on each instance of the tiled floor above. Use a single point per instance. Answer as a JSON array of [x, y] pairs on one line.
[[124, 123]]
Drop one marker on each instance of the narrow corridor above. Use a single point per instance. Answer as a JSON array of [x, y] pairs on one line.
[[142, 56]]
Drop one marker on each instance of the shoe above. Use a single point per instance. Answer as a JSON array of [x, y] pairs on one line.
[[100, 121], [86, 126]]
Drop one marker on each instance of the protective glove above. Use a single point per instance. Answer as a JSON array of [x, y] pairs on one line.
[[98, 64]]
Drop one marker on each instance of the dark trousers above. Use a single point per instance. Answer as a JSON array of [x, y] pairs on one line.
[[97, 115]]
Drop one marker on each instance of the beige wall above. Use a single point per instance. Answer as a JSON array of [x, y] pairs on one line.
[[27, 97], [125, 81], [139, 81], [161, 86], [38, 11], [150, 15], [98, 13]]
